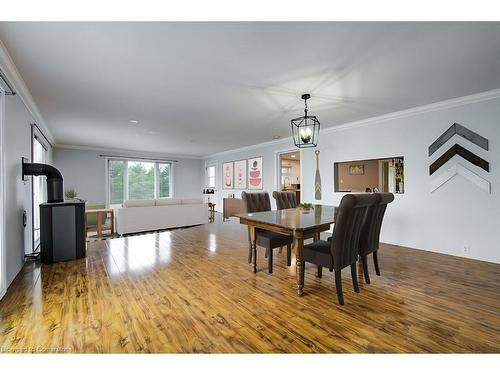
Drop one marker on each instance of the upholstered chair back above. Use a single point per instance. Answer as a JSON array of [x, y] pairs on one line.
[[370, 234], [348, 225], [285, 199], [256, 202]]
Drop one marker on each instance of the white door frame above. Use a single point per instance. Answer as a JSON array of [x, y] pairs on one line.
[[3, 256], [35, 209], [277, 170]]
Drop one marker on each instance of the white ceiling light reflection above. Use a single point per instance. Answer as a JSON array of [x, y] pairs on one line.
[[326, 86], [164, 240], [139, 253], [212, 242], [117, 263]]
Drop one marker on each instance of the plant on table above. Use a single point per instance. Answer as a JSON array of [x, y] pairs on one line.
[[305, 206]]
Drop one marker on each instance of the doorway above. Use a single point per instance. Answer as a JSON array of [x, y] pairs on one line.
[[39, 155], [289, 172]]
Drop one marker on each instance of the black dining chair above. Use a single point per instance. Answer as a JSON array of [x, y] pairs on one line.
[[258, 202], [285, 199], [342, 250], [369, 241]]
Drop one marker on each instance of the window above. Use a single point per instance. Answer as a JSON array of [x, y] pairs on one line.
[[211, 176], [116, 170], [164, 180], [136, 179], [384, 175]]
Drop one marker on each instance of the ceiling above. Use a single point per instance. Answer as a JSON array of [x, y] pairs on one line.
[[291, 156], [202, 88]]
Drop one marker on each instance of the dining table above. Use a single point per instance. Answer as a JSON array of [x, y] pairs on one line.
[[296, 222]]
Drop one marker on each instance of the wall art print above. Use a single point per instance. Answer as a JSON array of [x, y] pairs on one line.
[[357, 169], [240, 174], [255, 178], [228, 175]]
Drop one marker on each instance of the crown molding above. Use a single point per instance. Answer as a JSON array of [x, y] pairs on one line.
[[438, 106], [19, 86], [251, 147], [446, 104], [125, 152]]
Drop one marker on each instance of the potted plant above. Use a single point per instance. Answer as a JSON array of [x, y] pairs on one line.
[[305, 206], [70, 194]]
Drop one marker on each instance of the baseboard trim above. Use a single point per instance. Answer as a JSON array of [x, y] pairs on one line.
[[463, 258]]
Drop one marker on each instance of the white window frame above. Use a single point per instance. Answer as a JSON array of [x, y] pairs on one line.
[[216, 197], [3, 255], [207, 184], [125, 176]]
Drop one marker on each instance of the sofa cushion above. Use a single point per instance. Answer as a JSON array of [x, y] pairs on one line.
[[192, 201], [139, 203], [167, 201]]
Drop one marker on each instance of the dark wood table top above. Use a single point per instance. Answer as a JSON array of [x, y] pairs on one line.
[[293, 218]]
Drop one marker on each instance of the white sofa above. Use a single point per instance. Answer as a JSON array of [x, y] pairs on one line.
[[154, 214]]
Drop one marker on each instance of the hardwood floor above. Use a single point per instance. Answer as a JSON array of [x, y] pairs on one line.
[[192, 290]]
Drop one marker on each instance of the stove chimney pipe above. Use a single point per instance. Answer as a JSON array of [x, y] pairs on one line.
[[54, 179]]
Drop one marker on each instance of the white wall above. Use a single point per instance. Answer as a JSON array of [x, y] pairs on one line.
[[18, 193], [458, 219], [82, 171], [85, 171]]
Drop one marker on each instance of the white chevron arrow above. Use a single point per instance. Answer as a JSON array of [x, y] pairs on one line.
[[458, 169]]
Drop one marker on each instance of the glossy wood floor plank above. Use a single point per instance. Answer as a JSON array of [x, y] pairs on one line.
[[192, 290]]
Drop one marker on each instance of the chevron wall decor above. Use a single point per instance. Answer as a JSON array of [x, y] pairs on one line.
[[461, 131], [456, 153], [458, 169], [466, 154]]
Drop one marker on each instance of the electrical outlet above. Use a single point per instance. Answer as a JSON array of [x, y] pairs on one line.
[[466, 249]]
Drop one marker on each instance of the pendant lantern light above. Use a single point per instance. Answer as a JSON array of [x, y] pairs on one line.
[[305, 129]]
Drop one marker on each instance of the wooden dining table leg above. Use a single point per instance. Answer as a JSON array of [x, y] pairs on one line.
[[99, 224], [299, 248], [253, 238], [112, 222]]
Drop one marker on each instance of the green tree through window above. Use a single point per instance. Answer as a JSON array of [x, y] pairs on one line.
[[141, 180], [164, 172], [132, 179], [116, 174]]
